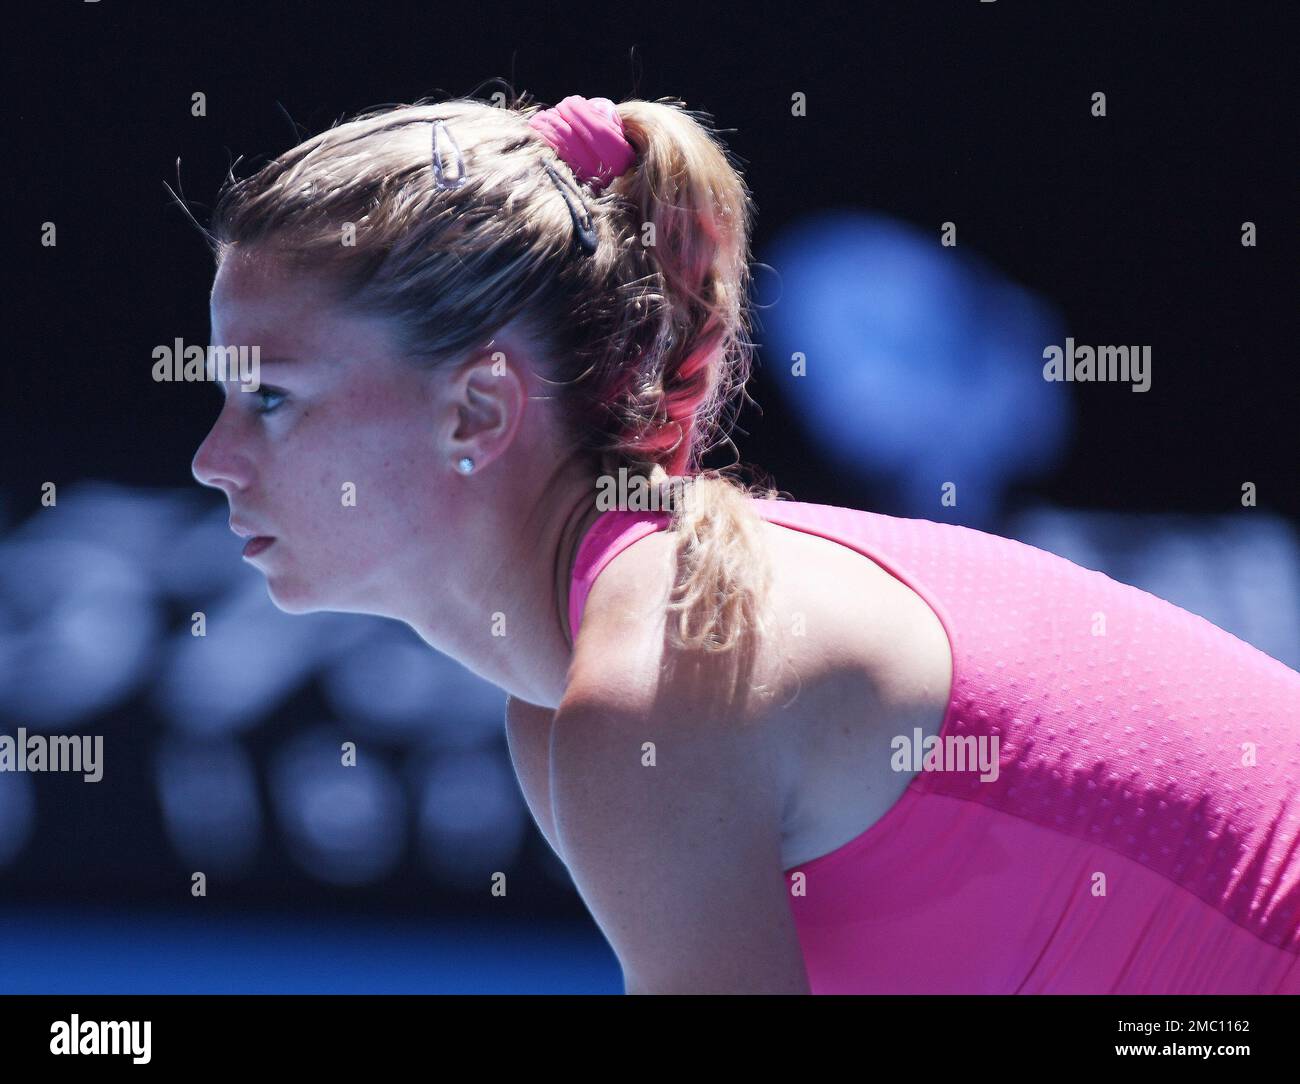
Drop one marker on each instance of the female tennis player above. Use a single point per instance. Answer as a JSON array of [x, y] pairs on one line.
[[781, 747]]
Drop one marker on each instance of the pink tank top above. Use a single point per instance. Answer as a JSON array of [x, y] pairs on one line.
[[1143, 832]]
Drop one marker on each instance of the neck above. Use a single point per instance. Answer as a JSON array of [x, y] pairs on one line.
[[527, 581]]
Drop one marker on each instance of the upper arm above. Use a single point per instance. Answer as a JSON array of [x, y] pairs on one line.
[[675, 846]]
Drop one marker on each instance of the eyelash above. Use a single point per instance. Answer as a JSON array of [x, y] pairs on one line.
[[266, 409]]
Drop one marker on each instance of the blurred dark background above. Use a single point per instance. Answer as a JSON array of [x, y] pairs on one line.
[[924, 366]]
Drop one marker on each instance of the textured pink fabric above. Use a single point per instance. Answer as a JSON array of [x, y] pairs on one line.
[[1120, 755], [609, 536], [587, 134]]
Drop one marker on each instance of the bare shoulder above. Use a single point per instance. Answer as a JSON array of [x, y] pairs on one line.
[[623, 659], [837, 618], [667, 798], [683, 785], [853, 657], [625, 671]]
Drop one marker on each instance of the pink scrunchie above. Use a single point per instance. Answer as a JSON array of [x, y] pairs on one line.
[[587, 133]]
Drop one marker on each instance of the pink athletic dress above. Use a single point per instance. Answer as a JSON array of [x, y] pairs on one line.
[[1143, 833]]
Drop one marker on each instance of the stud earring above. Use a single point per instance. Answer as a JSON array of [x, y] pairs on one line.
[[465, 465]]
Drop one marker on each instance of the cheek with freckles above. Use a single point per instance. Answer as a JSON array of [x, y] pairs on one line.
[[358, 492]]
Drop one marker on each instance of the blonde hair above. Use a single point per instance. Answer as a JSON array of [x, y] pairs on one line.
[[646, 338]]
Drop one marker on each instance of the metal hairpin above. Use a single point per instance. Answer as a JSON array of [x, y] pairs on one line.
[[581, 220], [441, 180]]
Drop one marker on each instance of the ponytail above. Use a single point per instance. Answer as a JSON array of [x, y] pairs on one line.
[[690, 211]]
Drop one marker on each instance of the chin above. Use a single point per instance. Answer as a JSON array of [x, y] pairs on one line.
[[293, 598]]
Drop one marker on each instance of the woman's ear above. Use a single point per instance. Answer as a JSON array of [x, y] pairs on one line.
[[488, 396]]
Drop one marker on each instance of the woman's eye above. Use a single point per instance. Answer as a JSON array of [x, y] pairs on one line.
[[265, 408]]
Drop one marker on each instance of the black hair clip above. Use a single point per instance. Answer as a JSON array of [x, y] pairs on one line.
[[581, 220], [441, 180]]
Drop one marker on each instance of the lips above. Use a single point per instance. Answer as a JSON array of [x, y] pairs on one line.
[[256, 542], [245, 531]]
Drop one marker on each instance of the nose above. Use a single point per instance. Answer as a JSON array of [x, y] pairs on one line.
[[219, 463]]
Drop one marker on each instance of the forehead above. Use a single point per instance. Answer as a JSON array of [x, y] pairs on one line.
[[287, 312], [255, 296]]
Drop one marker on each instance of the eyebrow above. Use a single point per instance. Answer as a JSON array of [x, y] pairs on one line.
[[284, 359]]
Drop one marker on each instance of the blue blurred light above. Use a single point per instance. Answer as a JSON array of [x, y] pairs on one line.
[[472, 820], [203, 559], [1240, 572], [343, 825], [924, 365], [208, 794], [403, 690], [80, 624], [62, 950], [17, 815], [250, 658], [137, 524]]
